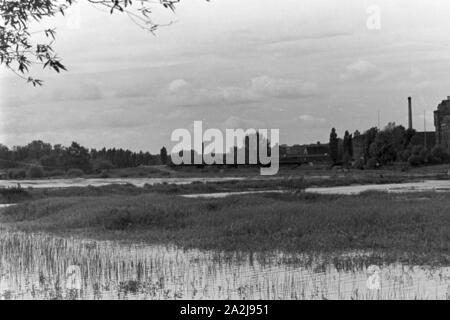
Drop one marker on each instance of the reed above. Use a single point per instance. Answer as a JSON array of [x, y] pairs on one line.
[[34, 266]]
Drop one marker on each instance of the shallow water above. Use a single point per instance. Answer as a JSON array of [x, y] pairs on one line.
[[420, 186], [220, 195], [81, 182], [6, 205], [39, 266]]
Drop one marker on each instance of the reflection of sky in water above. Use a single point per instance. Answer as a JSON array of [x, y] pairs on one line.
[[36, 266], [139, 182], [420, 186]]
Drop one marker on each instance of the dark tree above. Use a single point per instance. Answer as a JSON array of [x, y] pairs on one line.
[[77, 157], [347, 147], [347, 143], [409, 134], [389, 144], [163, 155], [369, 138], [58, 157], [334, 146]]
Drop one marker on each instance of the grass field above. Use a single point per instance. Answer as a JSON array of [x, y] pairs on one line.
[[253, 171], [401, 227]]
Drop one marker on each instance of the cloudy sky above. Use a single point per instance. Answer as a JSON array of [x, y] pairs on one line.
[[302, 66]]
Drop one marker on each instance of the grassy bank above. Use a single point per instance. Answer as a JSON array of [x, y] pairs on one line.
[[403, 228], [244, 171]]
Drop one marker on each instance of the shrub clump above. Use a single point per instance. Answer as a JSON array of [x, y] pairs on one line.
[[75, 173], [359, 164], [55, 173], [17, 174], [440, 154], [13, 194], [415, 160], [372, 163], [100, 166], [35, 172]]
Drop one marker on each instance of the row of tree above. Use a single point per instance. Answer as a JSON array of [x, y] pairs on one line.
[[379, 147], [58, 157]]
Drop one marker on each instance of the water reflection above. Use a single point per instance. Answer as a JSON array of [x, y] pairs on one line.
[[81, 182], [419, 186], [410, 187], [221, 195], [39, 266]]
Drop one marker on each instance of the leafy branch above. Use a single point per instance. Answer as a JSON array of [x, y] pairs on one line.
[[18, 50]]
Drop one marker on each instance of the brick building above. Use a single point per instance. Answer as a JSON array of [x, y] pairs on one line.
[[442, 123]]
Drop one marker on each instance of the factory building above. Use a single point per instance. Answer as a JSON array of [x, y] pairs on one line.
[[442, 123]]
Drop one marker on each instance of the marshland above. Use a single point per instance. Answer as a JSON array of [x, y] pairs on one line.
[[100, 204], [293, 244]]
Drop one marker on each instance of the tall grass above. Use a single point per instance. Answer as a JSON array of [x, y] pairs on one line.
[[34, 266], [399, 226], [13, 195]]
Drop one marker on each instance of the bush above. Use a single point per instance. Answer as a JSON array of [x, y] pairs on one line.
[[49, 161], [75, 173], [426, 156], [119, 220], [55, 173], [415, 160], [102, 165], [440, 154], [359, 164], [17, 174], [372, 163], [346, 159], [35, 172], [404, 155], [104, 174], [417, 150], [14, 194]]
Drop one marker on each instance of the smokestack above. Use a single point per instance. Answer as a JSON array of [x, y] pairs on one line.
[[410, 121]]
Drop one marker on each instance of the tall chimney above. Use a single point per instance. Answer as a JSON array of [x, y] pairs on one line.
[[410, 121]]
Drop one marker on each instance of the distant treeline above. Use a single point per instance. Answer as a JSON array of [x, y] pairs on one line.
[[391, 144], [60, 158]]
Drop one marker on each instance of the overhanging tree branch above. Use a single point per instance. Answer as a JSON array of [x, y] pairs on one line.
[[18, 49]]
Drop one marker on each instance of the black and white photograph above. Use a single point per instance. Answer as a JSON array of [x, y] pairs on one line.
[[235, 152]]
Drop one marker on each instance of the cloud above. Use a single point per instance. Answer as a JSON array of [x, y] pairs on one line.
[[177, 85], [280, 40], [234, 122], [83, 91], [361, 69], [281, 88], [257, 89], [101, 115], [308, 121]]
